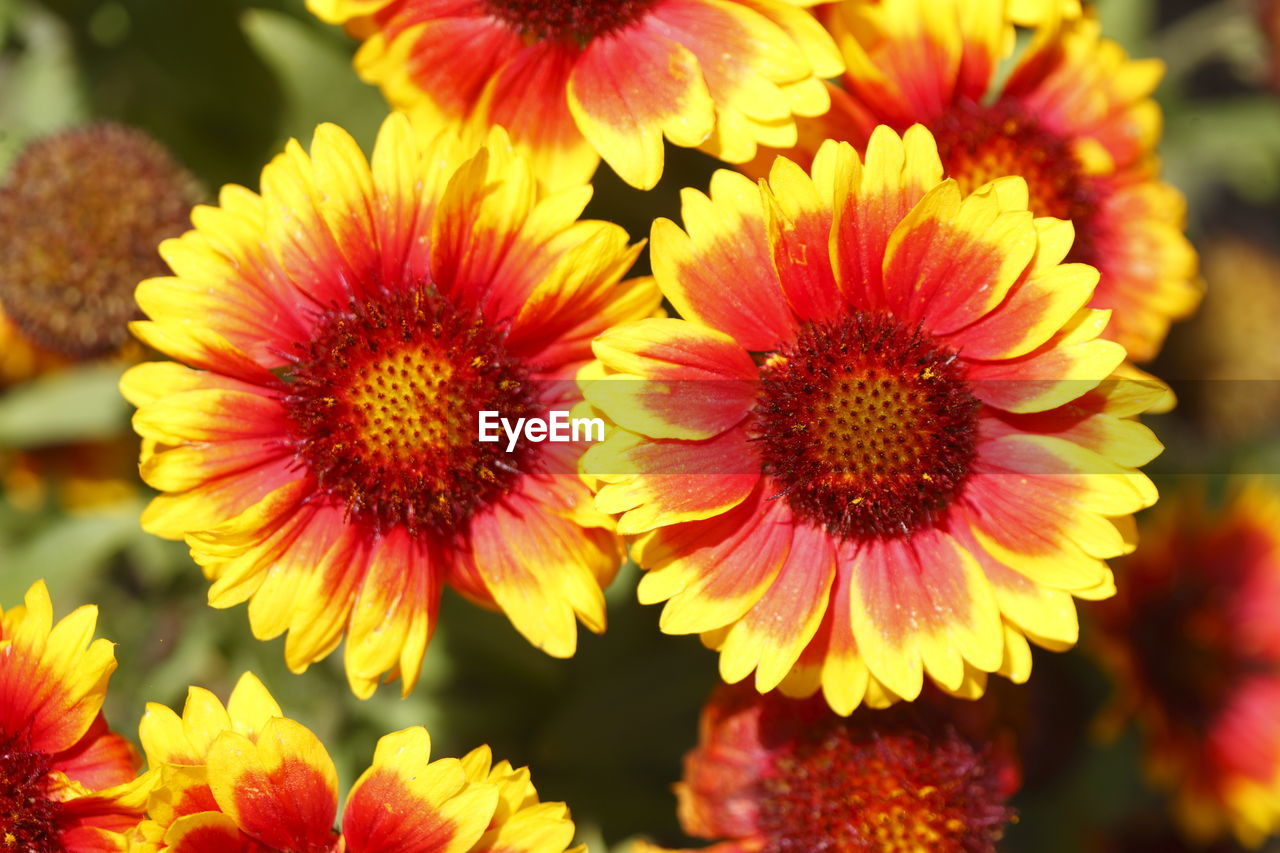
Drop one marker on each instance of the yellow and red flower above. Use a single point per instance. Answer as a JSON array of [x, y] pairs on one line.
[[1074, 118], [887, 441], [339, 333], [1033, 13], [1194, 644], [574, 82], [244, 777], [67, 782], [778, 774]]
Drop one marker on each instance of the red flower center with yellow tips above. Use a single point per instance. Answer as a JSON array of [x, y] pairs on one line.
[[867, 426], [567, 20], [26, 812], [980, 143], [383, 401], [894, 792]]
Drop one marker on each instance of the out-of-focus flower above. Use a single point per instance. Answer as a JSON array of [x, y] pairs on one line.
[[81, 215], [1194, 643], [339, 333], [244, 777], [574, 82], [1236, 392], [1269, 21], [67, 782], [887, 441], [20, 359], [1034, 13], [82, 477], [1074, 118], [776, 775]]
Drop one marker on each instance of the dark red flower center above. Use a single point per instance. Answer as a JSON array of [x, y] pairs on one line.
[[868, 427], [1183, 621], [900, 791], [1184, 645], [577, 21], [28, 817], [980, 143], [384, 401]]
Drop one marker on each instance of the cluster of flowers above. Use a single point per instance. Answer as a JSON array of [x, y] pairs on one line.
[[888, 438], [240, 777]]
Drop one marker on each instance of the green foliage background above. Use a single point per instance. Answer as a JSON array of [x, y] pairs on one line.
[[224, 83]]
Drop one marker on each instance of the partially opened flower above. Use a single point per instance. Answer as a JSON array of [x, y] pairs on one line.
[[779, 775], [67, 782], [1194, 643], [574, 82], [317, 448], [887, 441], [1074, 118], [243, 777]]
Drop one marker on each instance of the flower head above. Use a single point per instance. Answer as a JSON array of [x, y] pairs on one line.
[[67, 783], [574, 82], [1195, 647], [243, 777], [1074, 118], [340, 333], [776, 775], [81, 215], [887, 441]]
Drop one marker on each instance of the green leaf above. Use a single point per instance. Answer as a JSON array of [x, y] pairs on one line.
[[1128, 22], [78, 404], [1234, 140], [313, 64], [40, 88], [67, 553]]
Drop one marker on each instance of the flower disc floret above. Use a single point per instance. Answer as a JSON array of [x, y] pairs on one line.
[[383, 401], [28, 812], [776, 775], [576, 22], [980, 143], [82, 213]]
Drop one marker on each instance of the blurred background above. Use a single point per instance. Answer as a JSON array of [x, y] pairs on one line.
[[223, 83]]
